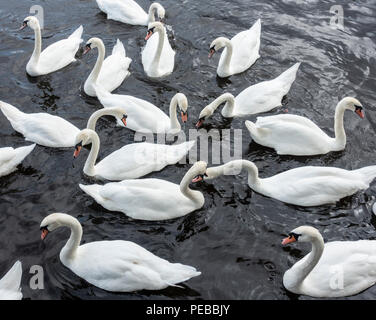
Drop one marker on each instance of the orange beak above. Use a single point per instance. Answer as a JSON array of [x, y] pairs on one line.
[[211, 52], [87, 49], [148, 35], [198, 178], [124, 120], [360, 113], [44, 234], [77, 151], [24, 25], [184, 116], [288, 240], [199, 123]]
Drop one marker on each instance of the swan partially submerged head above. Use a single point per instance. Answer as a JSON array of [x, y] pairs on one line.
[[302, 234], [353, 105], [30, 21], [152, 28], [93, 43], [54, 221], [216, 45], [183, 105], [199, 171]]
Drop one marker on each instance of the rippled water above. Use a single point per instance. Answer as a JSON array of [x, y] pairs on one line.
[[235, 238]]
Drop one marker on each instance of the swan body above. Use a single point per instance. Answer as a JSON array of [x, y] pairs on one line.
[[144, 116], [130, 12], [117, 265], [150, 199], [158, 58], [10, 284], [240, 53], [109, 72], [10, 158], [297, 135], [49, 130], [131, 161], [54, 57], [261, 97], [304, 186], [333, 269]]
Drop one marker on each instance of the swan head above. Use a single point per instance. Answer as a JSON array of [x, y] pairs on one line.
[[216, 45], [208, 111], [183, 105], [159, 9], [54, 221], [199, 171], [353, 105], [93, 43], [152, 28], [30, 21], [84, 137], [302, 234]]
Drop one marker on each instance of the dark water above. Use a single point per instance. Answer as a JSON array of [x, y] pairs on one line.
[[235, 238]]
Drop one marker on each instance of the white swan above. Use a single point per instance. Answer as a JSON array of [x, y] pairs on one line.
[[128, 11], [240, 52], [158, 60], [54, 57], [109, 73], [261, 97], [144, 116], [10, 284], [304, 186], [117, 265], [131, 161], [51, 131], [10, 158], [297, 135], [150, 199], [333, 269]]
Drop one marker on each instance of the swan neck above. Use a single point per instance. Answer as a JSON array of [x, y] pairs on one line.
[[158, 53], [70, 248], [89, 167], [188, 192], [340, 135], [37, 44], [98, 64], [92, 122], [174, 123], [227, 58], [228, 109], [151, 13]]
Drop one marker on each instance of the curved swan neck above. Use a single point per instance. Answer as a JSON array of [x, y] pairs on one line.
[[70, 248], [227, 58], [92, 122], [340, 135], [98, 64], [302, 270], [37, 44], [158, 53], [184, 186], [228, 109], [89, 167], [174, 123], [151, 13]]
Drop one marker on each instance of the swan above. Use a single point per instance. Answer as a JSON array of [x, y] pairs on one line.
[[240, 52], [131, 161], [128, 11], [109, 73], [332, 269], [297, 135], [261, 97], [144, 116], [10, 158], [54, 57], [304, 186], [150, 199], [51, 131], [114, 265], [10, 284], [158, 59]]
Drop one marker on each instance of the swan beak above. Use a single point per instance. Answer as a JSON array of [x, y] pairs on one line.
[[211, 52], [77, 150], [24, 25], [360, 113], [199, 123], [124, 120], [87, 49], [197, 179], [149, 34], [44, 233], [288, 240], [184, 116]]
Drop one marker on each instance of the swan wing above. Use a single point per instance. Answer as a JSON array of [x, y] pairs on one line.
[[10, 284], [126, 11], [10, 158]]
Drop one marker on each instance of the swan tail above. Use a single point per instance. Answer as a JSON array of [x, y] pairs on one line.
[[119, 48], [256, 27], [15, 116], [177, 152], [180, 273], [92, 190], [254, 130], [288, 77], [23, 152], [12, 280], [368, 173], [77, 33]]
